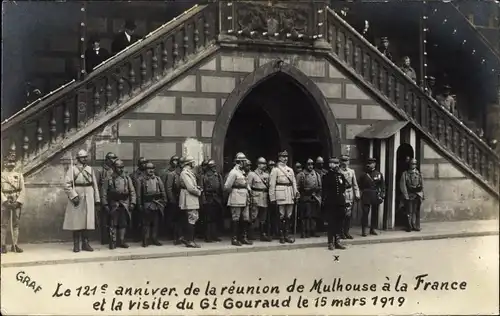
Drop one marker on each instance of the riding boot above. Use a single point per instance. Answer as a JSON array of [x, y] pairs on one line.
[[282, 227], [154, 235], [76, 241], [208, 232], [246, 228], [409, 226], [288, 239], [337, 243], [112, 237], [250, 230], [85, 241], [190, 235], [363, 231], [347, 227], [234, 239], [121, 238], [263, 235], [213, 231], [145, 236], [303, 230], [15, 237], [373, 232], [313, 227]]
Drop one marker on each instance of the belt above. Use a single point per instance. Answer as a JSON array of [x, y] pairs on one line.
[[84, 184], [259, 189], [118, 196], [151, 198], [11, 191], [285, 184], [239, 187], [183, 187]]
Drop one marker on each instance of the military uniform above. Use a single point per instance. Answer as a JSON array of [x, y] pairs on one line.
[[13, 198], [174, 214], [412, 189], [334, 187], [189, 200], [372, 186], [103, 175], [321, 171], [351, 195], [151, 200], [212, 185], [309, 186], [258, 182], [136, 217], [118, 198], [238, 201]]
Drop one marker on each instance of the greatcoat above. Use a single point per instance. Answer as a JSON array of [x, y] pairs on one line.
[[189, 198]]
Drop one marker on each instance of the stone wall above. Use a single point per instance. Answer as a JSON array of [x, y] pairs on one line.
[[449, 194]]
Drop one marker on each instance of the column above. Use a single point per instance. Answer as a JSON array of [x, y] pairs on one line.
[[391, 217], [382, 163], [413, 141]]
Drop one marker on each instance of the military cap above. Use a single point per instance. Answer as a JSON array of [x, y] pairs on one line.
[[211, 163], [82, 153], [240, 157], [384, 39], [111, 155], [119, 163], [298, 165], [130, 24], [150, 165], [175, 157], [320, 160], [371, 159], [333, 160], [309, 161], [261, 160], [344, 158], [188, 159], [413, 161], [283, 153]]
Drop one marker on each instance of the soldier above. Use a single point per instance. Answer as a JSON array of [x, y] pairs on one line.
[[273, 213], [172, 181], [372, 186], [189, 200], [13, 198], [81, 187], [101, 176], [334, 187], [270, 165], [298, 168], [211, 198], [351, 194], [309, 186], [283, 192], [319, 167], [237, 184], [151, 200], [136, 218], [412, 188], [118, 199], [258, 181]]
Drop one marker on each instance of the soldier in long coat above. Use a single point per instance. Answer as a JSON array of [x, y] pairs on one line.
[[151, 200], [319, 168], [189, 200], [412, 189], [13, 198], [309, 186], [352, 194], [372, 186], [81, 187], [239, 193], [258, 181], [334, 187], [102, 175], [211, 199], [136, 219], [272, 208], [172, 185], [283, 192], [118, 199]]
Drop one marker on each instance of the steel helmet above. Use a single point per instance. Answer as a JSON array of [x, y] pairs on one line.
[[261, 160], [240, 157], [82, 153]]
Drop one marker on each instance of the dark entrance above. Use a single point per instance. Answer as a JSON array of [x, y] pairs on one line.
[[403, 155], [277, 114]]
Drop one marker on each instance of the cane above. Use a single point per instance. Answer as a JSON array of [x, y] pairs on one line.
[[12, 232]]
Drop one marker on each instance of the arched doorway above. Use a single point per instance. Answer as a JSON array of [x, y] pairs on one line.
[[276, 107], [404, 153]]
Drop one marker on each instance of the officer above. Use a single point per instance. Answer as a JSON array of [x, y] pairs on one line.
[[298, 168], [258, 181], [201, 169], [151, 200], [372, 186], [102, 175], [211, 198], [82, 190], [334, 187], [237, 184], [136, 219], [270, 165], [320, 163], [118, 199], [175, 219], [351, 194], [248, 167], [272, 209], [189, 200], [412, 189], [13, 198], [283, 192], [309, 186]]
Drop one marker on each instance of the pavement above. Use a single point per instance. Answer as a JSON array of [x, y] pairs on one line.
[[61, 253]]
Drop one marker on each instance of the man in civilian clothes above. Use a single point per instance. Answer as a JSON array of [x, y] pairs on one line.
[[412, 189], [102, 175], [125, 38], [372, 186], [95, 54]]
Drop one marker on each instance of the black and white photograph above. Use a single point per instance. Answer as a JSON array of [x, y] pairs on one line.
[[250, 157]]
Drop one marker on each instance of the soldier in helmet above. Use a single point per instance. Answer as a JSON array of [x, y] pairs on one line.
[[309, 186], [237, 184], [101, 176], [13, 198], [283, 192], [136, 219], [334, 187], [151, 200], [372, 186], [351, 194], [273, 213], [248, 167], [258, 181], [412, 189], [298, 168], [174, 215], [189, 200], [270, 165], [80, 185], [118, 199], [212, 185]]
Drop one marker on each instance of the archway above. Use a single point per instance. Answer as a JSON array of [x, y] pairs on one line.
[[289, 109], [403, 154]]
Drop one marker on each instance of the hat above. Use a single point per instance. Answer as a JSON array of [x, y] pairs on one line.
[[111, 155], [130, 25], [333, 160], [248, 162], [320, 160], [11, 157], [82, 153], [447, 87], [283, 153], [173, 158], [182, 160], [384, 39], [431, 78], [141, 160], [261, 160], [298, 165], [204, 162], [119, 163], [309, 161], [211, 163], [413, 161], [344, 158], [271, 162], [371, 159], [240, 157], [150, 165], [188, 159]]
